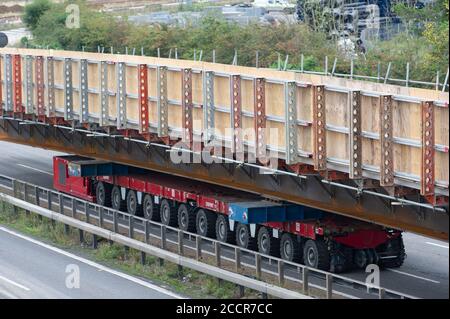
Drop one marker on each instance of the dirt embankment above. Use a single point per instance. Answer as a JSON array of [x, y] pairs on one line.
[[11, 9]]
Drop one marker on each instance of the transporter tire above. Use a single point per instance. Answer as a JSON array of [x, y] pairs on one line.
[[223, 232], [205, 223], [186, 218], [133, 207], [244, 239], [267, 244], [168, 213], [150, 210], [290, 248], [103, 194], [116, 200], [398, 248], [316, 254]]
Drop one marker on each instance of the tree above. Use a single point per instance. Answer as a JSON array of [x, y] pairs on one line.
[[34, 11]]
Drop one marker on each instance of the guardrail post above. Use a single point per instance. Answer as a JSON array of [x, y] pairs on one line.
[[281, 272], [146, 232], [101, 217], [116, 225], [143, 258], [86, 211], [329, 286], [130, 227], [180, 242], [163, 237], [49, 200], [94, 241], [74, 208], [381, 293], [66, 229], [198, 247], [60, 204], [25, 192], [81, 233], [36, 196], [305, 280], [14, 187], [217, 251], [258, 266], [237, 259]]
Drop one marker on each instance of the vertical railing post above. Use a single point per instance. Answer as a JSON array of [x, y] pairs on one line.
[[198, 247], [74, 208], [180, 242], [101, 217], [329, 286], [305, 280], [281, 272], [218, 252], [237, 259], [381, 293], [49, 200], [258, 266], [146, 232], [36, 196], [131, 227], [25, 192], [115, 222], [60, 203], [163, 237], [86, 211]]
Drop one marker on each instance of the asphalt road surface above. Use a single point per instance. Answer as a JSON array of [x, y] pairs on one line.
[[424, 273]]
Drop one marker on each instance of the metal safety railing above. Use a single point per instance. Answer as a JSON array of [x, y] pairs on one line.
[[225, 257]]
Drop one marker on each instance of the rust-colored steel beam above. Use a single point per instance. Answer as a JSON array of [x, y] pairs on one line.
[[428, 132], [40, 86], [310, 192], [143, 99], [17, 83], [386, 142], [236, 114]]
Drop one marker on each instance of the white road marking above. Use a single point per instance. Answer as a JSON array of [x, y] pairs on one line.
[[95, 265], [9, 281], [35, 169], [438, 245], [415, 276]]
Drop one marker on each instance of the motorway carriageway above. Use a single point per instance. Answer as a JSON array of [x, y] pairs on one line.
[[424, 273]]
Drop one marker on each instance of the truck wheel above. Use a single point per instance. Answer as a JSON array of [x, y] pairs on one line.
[[267, 244], [116, 199], [223, 232], [205, 223], [168, 214], [103, 194], [186, 218], [316, 255], [360, 258], [150, 209], [396, 248], [133, 208], [290, 248], [244, 239]]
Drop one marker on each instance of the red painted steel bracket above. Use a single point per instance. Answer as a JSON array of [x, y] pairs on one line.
[[260, 118], [143, 99], [386, 142], [40, 87], [355, 154], [236, 114], [319, 128], [186, 96], [428, 162], [17, 84]]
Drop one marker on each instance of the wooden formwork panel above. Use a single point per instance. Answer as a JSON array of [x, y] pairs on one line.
[[341, 97]]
